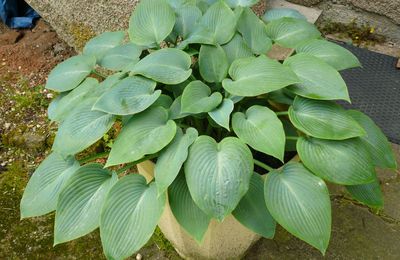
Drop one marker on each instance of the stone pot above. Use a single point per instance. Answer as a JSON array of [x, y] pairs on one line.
[[223, 240]]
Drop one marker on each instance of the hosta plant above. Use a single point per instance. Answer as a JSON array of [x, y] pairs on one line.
[[194, 91]]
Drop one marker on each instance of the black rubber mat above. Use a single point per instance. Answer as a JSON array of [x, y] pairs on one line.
[[375, 89]]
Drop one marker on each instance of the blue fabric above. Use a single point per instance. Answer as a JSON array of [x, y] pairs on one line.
[[17, 14]]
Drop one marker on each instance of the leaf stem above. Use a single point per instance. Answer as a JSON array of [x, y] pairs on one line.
[[294, 138], [94, 157], [192, 77], [282, 113], [131, 164], [263, 165]]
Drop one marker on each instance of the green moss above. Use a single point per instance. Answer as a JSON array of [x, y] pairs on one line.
[[81, 34], [358, 33]]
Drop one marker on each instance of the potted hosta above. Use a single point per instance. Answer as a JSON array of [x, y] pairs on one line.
[[212, 124]]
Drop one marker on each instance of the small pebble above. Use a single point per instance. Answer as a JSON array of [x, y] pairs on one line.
[[139, 257]]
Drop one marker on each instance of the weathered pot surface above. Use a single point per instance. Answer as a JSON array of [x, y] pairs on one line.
[[223, 240]]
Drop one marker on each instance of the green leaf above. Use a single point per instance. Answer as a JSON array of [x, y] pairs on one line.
[[213, 63], [164, 101], [129, 216], [282, 96], [333, 54], [175, 111], [218, 174], [151, 22], [171, 159], [252, 211], [243, 3], [260, 128], [344, 162], [221, 21], [278, 13], [69, 102], [185, 210], [236, 48], [82, 128], [197, 98], [318, 79], [369, 194], [130, 96], [375, 141], [221, 115], [70, 73], [254, 32], [168, 66], [119, 57], [42, 191], [80, 202], [52, 108], [289, 32], [176, 4], [299, 202], [201, 34], [255, 76], [106, 84], [187, 17], [145, 133], [323, 119], [100, 44]]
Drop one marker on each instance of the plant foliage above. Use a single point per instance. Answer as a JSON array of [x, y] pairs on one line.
[[194, 90]]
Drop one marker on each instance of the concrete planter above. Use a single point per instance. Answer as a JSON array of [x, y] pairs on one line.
[[226, 240]]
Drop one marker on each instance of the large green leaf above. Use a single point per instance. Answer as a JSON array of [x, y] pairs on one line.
[[52, 108], [318, 79], [213, 63], [255, 76], [151, 22], [176, 4], [243, 3], [344, 162], [69, 102], [82, 128], [106, 84], [168, 66], [119, 57], [333, 54], [299, 202], [289, 32], [252, 211], [197, 98], [323, 119], [278, 13], [254, 32], [260, 128], [221, 115], [145, 133], [129, 216], [370, 194], [130, 96], [41, 193], [80, 202], [201, 34], [187, 17], [375, 141], [70, 73], [221, 21], [171, 159], [218, 174], [236, 48], [100, 44], [175, 111], [164, 101], [185, 210]]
